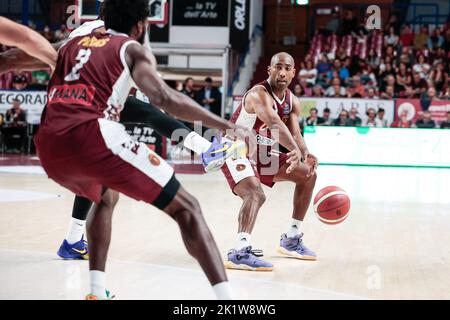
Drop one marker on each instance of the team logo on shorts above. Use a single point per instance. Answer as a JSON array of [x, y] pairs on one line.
[[154, 160], [241, 167]]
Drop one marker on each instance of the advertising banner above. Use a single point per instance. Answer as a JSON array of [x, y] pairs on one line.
[[33, 102]]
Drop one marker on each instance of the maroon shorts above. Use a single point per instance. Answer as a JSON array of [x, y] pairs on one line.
[[100, 154], [236, 170]]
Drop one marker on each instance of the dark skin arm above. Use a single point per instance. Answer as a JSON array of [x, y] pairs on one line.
[[294, 127], [258, 101], [18, 60]]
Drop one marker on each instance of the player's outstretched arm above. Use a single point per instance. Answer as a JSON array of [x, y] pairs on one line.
[[14, 34], [262, 103], [146, 77]]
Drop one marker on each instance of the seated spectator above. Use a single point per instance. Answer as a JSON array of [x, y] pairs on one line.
[[373, 59], [368, 76], [426, 121], [422, 67], [406, 36], [15, 130], [48, 34], [391, 39], [19, 82], [189, 88], [305, 87], [421, 39], [381, 121], [210, 97], [446, 124], [326, 116], [314, 119], [436, 40], [406, 56], [298, 91], [356, 89], [354, 120], [317, 91], [343, 120], [308, 73], [418, 85], [323, 66], [402, 121], [335, 90], [39, 80], [389, 81], [438, 76], [370, 121], [349, 24], [403, 77], [62, 33], [389, 93], [371, 93]]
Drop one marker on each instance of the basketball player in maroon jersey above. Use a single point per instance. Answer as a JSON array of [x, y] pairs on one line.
[[83, 148], [273, 112]]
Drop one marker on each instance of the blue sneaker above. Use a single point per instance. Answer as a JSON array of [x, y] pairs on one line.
[[76, 251], [247, 259], [215, 157], [295, 248]]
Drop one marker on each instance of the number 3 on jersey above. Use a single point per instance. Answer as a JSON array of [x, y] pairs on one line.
[[82, 58]]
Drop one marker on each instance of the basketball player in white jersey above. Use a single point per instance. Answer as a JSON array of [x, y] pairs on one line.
[[273, 112]]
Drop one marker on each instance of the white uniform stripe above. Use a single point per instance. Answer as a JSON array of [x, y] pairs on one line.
[[121, 144], [325, 197]]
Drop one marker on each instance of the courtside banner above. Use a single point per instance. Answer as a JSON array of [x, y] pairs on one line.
[[240, 24], [32, 102], [336, 105], [210, 13], [413, 107]]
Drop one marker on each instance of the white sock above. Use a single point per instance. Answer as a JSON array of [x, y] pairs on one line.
[[196, 143], [76, 230], [223, 291], [243, 240], [295, 228], [98, 283]]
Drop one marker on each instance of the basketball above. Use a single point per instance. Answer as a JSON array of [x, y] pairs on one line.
[[331, 205]]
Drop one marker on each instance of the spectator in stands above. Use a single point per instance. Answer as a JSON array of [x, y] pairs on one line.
[[389, 81], [343, 120], [381, 120], [210, 97], [403, 77], [421, 39], [426, 121], [438, 77], [39, 80], [189, 88], [19, 82], [394, 23], [335, 90], [406, 36], [373, 59], [446, 124], [323, 66], [338, 70], [305, 87], [389, 93], [418, 85], [317, 91], [371, 93], [48, 34], [334, 24], [349, 24], [422, 67], [354, 120], [298, 91], [314, 119], [370, 121], [356, 89], [436, 40], [15, 127], [308, 73], [326, 116], [391, 38], [62, 33], [406, 56], [402, 121]]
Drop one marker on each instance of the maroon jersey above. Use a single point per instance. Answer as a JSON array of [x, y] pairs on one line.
[[251, 121], [91, 81]]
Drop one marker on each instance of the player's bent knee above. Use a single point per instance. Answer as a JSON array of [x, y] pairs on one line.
[[110, 198]]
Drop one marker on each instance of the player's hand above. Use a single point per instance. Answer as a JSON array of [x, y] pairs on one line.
[[294, 158], [312, 163]]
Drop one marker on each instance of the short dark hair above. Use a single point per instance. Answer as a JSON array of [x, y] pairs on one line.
[[187, 79], [327, 110], [123, 15], [208, 80], [381, 110]]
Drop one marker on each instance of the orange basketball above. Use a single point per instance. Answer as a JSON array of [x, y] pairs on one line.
[[332, 205]]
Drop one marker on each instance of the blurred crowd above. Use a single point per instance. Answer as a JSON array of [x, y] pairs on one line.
[[347, 60]]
